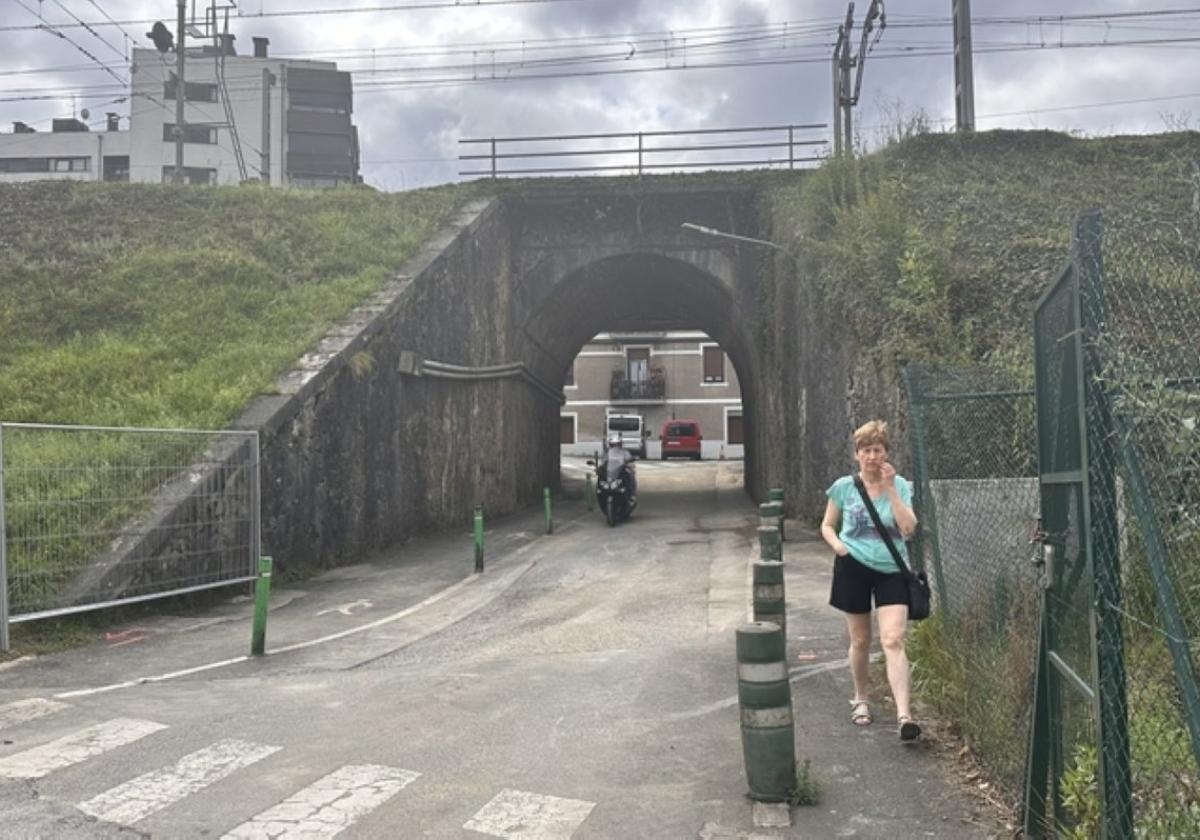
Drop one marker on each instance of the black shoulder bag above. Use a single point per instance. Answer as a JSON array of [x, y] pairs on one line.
[[918, 584]]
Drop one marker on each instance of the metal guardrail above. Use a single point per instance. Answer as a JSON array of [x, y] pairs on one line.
[[92, 517], [627, 389], [795, 145]]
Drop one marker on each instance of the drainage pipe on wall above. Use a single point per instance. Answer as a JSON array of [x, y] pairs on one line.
[[414, 365]]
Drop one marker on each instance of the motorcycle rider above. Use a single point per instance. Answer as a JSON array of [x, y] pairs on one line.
[[617, 456]]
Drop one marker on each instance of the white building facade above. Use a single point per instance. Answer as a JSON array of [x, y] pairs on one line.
[[254, 117]]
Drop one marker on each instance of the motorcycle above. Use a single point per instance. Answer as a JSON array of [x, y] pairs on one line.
[[613, 489]]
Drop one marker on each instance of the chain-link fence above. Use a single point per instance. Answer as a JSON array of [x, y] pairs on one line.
[[1091, 650], [975, 488], [1140, 308], [92, 517]]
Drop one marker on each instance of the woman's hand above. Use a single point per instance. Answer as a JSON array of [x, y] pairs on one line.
[[888, 473]]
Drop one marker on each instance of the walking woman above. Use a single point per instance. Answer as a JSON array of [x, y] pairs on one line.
[[864, 568]]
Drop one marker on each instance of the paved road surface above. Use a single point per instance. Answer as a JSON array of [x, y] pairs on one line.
[[582, 687]]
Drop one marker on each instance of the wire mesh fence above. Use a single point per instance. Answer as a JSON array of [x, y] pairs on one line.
[[976, 494], [92, 517], [1141, 313], [1089, 643]]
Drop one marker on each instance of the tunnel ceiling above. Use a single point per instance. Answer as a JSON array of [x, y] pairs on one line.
[[637, 292]]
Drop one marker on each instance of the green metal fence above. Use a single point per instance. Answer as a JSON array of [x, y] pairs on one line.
[[1090, 642], [975, 489]]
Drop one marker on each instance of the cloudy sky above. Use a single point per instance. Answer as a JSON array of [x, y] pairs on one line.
[[426, 78]]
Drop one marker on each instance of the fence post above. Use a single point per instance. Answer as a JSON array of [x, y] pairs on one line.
[[4, 640], [924, 504], [255, 481], [639, 154], [478, 538], [549, 510], [262, 598], [493, 158], [1112, 705], [791, 147], [589, 492], [765, 702]]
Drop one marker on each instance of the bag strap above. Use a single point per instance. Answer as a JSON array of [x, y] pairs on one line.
[[883, 532]]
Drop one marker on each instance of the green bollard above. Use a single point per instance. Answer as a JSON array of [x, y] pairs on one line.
[[479, 539], [769, 544], [770, 515], [769, 602], [765, 700], [262, 595], [775, 494], [589, 491], [549, 510]]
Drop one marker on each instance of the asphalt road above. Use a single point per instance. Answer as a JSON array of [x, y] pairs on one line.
[[582, 687]]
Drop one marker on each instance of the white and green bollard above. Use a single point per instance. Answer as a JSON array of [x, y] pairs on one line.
[[770, 546], [775, 495], [770, 603], [262, 598], [765, 701]]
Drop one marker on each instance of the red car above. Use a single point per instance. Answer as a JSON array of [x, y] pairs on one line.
[[681, 438]]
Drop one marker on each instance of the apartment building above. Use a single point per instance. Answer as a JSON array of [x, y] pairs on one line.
[[252, 117], [682, 375]]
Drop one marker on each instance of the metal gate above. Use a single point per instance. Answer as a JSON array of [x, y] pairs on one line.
[[1080, 688]]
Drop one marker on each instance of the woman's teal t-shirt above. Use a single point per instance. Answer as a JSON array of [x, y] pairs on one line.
[[858, 531]]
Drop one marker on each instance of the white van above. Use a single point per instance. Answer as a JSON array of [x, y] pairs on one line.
[[630, 428]]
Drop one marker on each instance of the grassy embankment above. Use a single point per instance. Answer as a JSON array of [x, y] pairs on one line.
[[935, 250], [154, 306]]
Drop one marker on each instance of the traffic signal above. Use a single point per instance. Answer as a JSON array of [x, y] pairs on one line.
[[163, 40]]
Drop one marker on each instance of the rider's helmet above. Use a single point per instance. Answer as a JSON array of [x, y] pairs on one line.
[[614, 439]]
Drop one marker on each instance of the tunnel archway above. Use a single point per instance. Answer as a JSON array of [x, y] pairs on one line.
[[639, 292]]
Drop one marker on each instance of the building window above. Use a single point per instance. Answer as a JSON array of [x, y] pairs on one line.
[[735, 431], [25, 165], [191, 175], [566, 428], [637, 360], [714, 363], [324, 103], [74, 164], [195, 91], [191, 133]]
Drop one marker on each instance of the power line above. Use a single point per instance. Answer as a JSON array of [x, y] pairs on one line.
[[93, 32], [394, 7], [53, 31], [109, 18]]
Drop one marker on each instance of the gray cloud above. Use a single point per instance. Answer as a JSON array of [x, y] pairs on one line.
[[410, 136]]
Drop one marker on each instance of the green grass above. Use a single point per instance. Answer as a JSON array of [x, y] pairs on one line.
[[142, 305]]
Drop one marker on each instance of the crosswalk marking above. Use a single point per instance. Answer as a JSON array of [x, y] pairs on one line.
[[72, 749], [151, 792], [328, 806], [23, 711], [517, 815]]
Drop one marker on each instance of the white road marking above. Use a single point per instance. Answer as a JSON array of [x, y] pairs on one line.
[[72, 749], [432, 599], [151, 792], [23, 711], [328, 806], [348, 609], [517, 815]]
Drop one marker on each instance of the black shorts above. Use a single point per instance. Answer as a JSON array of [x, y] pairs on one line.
[[854, 583]]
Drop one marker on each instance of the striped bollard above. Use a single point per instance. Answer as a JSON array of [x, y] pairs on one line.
[[770, 514], [765, 699], [262, 600], [479, 538], [589, 491], [769, 601], [769, 545], [775, 494]]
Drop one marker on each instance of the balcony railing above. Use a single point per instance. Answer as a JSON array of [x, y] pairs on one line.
[[650, 390]]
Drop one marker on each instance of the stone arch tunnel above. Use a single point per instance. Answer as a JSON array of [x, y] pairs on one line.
[[443, 391]]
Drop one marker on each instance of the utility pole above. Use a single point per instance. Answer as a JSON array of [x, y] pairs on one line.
[[845, 94], [268, 80], [180, 91], [964, 71]]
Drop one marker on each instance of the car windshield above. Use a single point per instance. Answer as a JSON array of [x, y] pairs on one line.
[[681, 430]]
